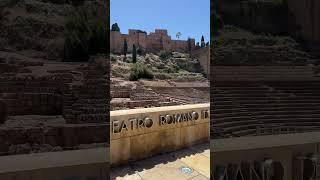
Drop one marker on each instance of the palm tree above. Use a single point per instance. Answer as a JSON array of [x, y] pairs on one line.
[[178, 35]]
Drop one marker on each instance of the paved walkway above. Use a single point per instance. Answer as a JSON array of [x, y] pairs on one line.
[[169, 166]]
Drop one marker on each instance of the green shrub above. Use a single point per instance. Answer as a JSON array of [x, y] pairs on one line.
[[140, 51], [172, 69], [139, 71], [176, 67], [86, 34], [113, 59], [164, 55]]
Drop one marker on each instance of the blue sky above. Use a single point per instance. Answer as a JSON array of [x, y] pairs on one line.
[[190, 17]]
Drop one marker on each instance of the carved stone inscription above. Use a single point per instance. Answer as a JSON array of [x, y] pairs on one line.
[[133, 124]]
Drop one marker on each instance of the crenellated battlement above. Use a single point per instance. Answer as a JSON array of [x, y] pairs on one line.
[[153, 42]]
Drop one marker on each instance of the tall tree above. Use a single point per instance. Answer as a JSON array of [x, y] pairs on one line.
[[115, 27], [125, 47], [189, 46], [203, 44], [134, 54]]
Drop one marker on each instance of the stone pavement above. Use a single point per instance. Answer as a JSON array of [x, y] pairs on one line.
[[168, 166]]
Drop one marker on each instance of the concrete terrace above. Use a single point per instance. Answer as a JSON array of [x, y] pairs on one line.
[[168, 166]]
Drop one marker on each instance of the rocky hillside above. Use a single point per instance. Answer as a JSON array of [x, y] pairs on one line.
[[37, 28], [236, 46], [175, 66], [258, 33]]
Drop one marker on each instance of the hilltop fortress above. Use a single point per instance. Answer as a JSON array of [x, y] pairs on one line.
[[153, 42]]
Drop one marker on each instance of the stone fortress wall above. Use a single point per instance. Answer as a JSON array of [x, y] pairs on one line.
[[153, 42]]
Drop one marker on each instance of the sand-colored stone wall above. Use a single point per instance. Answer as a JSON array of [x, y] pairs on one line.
[[203, 55], [153, 42], [116, 41], [66, 136], [288, 150], [24, 95], [140, 133], [78, 164], [88, 102], [80, 99]]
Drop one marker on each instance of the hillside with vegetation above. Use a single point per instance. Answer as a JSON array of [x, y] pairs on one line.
[[55, 30], [173, 66], [250, 33]]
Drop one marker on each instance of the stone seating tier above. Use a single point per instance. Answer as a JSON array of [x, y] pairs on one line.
[[244, 108], [65, 136]]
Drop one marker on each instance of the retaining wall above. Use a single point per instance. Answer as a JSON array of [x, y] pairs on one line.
[[140, 133], [79, 164]]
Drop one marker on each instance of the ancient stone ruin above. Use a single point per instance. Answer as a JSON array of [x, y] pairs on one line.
[[144, 94], [282, 100], [53, 106]]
